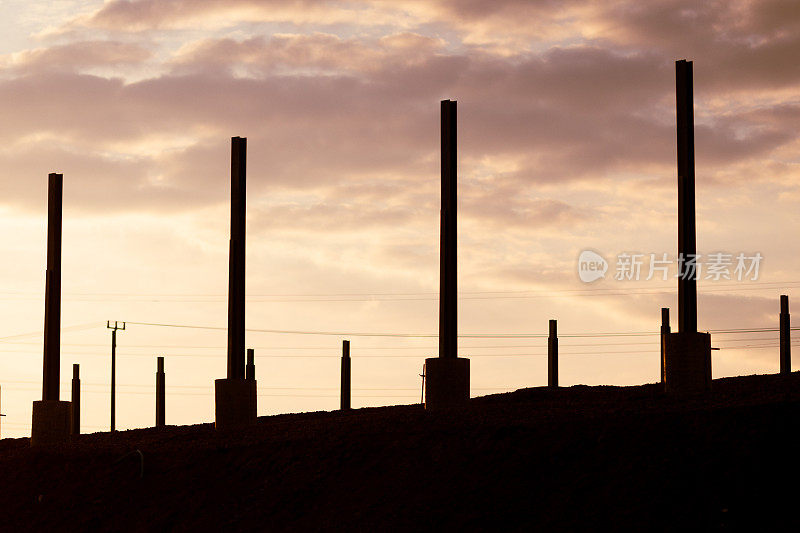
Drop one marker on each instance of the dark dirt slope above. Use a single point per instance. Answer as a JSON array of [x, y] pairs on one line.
[[574, 458]]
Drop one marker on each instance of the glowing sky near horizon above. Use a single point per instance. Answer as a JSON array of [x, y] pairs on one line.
[[566, 143]]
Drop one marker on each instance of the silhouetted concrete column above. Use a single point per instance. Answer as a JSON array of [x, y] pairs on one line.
[[75, 426], [250, 377], [161, 393], [552, 355], [345, 388], [250, 368], [665, 329], [52, 298], [447, 376], [687, 353], [687, 242], [236, 259], [786, 344], [235, 396], [51, 417], [448, 235]]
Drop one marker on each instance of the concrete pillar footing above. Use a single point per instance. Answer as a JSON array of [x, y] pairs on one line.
[[446, 382], [235, 401], [51, 422], [687, 362]]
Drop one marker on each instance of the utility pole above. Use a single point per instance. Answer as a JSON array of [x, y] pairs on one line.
[[114, 329]]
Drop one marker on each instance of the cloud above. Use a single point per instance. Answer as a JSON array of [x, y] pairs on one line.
[[145, 15], [510, 208], [317, 53], [737, 46], [504, 26], [74, 56], [326, 217], [738, 42], [330, 116], [523, 121]]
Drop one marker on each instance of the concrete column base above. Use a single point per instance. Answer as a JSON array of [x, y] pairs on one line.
[[235, 403], [51, 422], [446, 382], [687, 362]]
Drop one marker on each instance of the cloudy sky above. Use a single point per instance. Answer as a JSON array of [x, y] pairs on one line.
[[566, 123]]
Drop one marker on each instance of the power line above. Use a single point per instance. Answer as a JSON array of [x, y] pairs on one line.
[[644, 351], [63, 330], [759, 285], [162, 347], [208, 386], [407, 335], [358, 356], [469, 335]]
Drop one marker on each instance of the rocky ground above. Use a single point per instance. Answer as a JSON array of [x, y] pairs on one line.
[[536, 459]]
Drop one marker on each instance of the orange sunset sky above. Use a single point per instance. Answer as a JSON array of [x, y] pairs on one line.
[[566, 124]]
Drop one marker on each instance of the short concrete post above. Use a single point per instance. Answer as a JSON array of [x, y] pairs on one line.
[[786, 344], [161, 397], [250, 367], [345, 388], [76, 400], [552, 355], [665, 330], [250, 379]]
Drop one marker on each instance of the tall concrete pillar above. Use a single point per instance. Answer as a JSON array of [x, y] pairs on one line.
[[687, 353], [345, 386], [51, 417], [448, 234], [665, 329], [161, 394], [236, 259], [687, 241], [75, 426], [447, 376], [235, 396], [786, 344], [552, 355], [52, 297]]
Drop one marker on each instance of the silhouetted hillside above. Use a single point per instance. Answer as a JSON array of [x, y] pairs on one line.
[[536, 459]]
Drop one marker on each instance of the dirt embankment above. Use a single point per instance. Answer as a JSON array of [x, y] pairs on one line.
[[573, 458]]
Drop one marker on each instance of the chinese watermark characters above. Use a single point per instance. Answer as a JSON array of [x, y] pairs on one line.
[[637, 267]]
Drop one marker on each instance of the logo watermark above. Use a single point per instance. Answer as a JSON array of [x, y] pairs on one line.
[[636, 267], [591, 266]]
